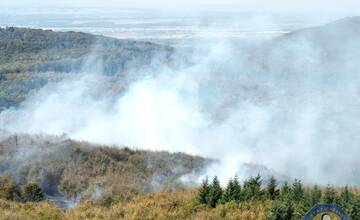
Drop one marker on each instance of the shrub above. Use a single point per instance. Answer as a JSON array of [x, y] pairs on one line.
[[33, 193], [9, 190]]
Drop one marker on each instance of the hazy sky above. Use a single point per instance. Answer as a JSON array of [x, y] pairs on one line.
[[313, 6]]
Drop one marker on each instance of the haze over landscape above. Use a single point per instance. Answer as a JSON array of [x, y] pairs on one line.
[[142, 97]]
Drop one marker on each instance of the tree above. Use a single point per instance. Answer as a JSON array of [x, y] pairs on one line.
[[215, 193], [285, 191], [329, 196], [228, 192], [355, 209], [237, 189], [315, 195], [271, 189], [9, 190], [281, 210], [252, 188], [345, 198], [232, 191], [297, 191], [203, 193], [33, 193]]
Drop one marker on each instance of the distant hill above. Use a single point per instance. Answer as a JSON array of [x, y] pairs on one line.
[[31, 58], [36, 50], [334, 44], [68, 169]]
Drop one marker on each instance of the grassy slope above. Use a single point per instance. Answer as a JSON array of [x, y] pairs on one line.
[[180, 204], [81, 170]]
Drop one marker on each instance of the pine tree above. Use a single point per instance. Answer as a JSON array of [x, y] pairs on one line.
[[228, 192], [297, 191], [345, 196], [355, 209], [281, 210], [289, 211], [277, 211], [232, 191], [285, 191], [237, 189], [329, 196], [203, 193], [271, 190], [215, 193], [252, 188], [315, 195]]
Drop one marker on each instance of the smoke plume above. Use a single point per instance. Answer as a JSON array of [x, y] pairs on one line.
[[290, 105]]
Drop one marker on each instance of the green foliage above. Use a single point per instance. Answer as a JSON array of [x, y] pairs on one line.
[[203, 193], [329, 195], [297, 191], [271, 189], [215, 193], [232, 191], [281, 210], [315, 195], [285, 191], [33, 193], [252, 188], [9, 190], [345, 198], [355, 209], [32, 58]]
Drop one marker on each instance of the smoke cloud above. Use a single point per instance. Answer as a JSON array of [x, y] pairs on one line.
[[285, 106]]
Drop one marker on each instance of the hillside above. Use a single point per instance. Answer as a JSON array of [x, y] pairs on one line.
[[271, 202], [68, 170], [31, 58], [333, 47], [36, 50]]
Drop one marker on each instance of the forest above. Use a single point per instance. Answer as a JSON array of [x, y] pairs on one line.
[[253, 198]]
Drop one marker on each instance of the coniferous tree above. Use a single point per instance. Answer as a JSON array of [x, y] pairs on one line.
[[329, 196], [228, 192], [277, 211], [237, 189], [297, 191], [252, 188], [345, 198], [346, 195], [315, 195], [285, 191], [355, 209], [271, 188], [281, 210], [215, 193], [289, 210], [232, 191], [203, 193]]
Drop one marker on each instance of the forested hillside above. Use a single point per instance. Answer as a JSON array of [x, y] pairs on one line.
[[253, 199], [32, 58], [66, 169], [34, 50]]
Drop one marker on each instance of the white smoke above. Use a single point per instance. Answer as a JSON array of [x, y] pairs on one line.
[[297, 116]]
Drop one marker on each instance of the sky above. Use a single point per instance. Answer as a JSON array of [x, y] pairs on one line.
[[349, 7]]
